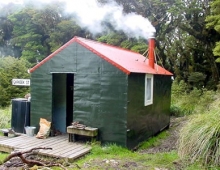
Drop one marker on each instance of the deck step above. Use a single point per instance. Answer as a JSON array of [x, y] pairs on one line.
[[61, 148]]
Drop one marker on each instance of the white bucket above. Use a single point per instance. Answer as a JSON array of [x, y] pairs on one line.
[[30, 130]]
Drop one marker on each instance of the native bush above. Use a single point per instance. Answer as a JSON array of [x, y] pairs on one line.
[[178, 89], [10, 68], [196, 79], [200, 138], [185, 102], [181, 102]]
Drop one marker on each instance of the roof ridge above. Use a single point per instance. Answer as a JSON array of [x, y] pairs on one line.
[[105, 44]]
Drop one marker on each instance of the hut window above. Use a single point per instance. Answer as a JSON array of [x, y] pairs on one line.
[[148, 89]]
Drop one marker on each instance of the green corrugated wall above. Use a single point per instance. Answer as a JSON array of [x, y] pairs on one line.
[[145, 121], [100, 92], [41, 95]]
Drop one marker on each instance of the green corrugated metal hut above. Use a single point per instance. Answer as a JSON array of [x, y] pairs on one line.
[[115, 90]]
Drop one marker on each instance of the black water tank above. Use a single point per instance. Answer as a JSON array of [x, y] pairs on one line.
[[20, 116]]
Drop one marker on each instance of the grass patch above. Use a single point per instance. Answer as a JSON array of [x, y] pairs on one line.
[[124, 158], [110, 151], [2, 157], [5, 117], [115, 157], [161, 160], [154, 141]]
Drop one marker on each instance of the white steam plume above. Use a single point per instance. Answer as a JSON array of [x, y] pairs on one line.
[[91, 15]]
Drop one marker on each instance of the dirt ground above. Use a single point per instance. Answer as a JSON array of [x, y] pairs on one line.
[[169, 143], [166, 145]]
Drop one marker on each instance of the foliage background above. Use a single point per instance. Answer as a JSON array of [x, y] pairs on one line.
[[11, 68]]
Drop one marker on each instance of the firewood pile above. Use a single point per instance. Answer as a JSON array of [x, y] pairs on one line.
[[78, 125]]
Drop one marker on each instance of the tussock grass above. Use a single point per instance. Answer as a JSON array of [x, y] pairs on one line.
[[5, 117], [200, 139]]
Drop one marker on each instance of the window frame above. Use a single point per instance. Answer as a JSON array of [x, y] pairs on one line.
[[148, 101]]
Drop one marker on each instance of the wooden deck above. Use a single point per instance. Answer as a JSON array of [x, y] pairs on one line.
[[61, 148]]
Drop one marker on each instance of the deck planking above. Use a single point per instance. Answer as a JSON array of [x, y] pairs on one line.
[[61, 148]]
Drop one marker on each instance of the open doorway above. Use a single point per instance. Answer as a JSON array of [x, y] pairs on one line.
[[69, 97], [62, 108]]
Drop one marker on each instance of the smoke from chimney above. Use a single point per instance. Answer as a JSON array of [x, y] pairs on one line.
[[91, 15]]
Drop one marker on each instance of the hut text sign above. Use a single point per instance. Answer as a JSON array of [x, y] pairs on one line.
[[21, 82]]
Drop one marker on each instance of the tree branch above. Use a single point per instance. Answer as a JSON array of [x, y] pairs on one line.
[[24, 160]]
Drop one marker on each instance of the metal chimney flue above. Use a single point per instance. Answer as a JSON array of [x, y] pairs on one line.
[[151, 48]]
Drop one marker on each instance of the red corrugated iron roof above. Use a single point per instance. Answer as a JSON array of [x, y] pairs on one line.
[[126, 60]]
